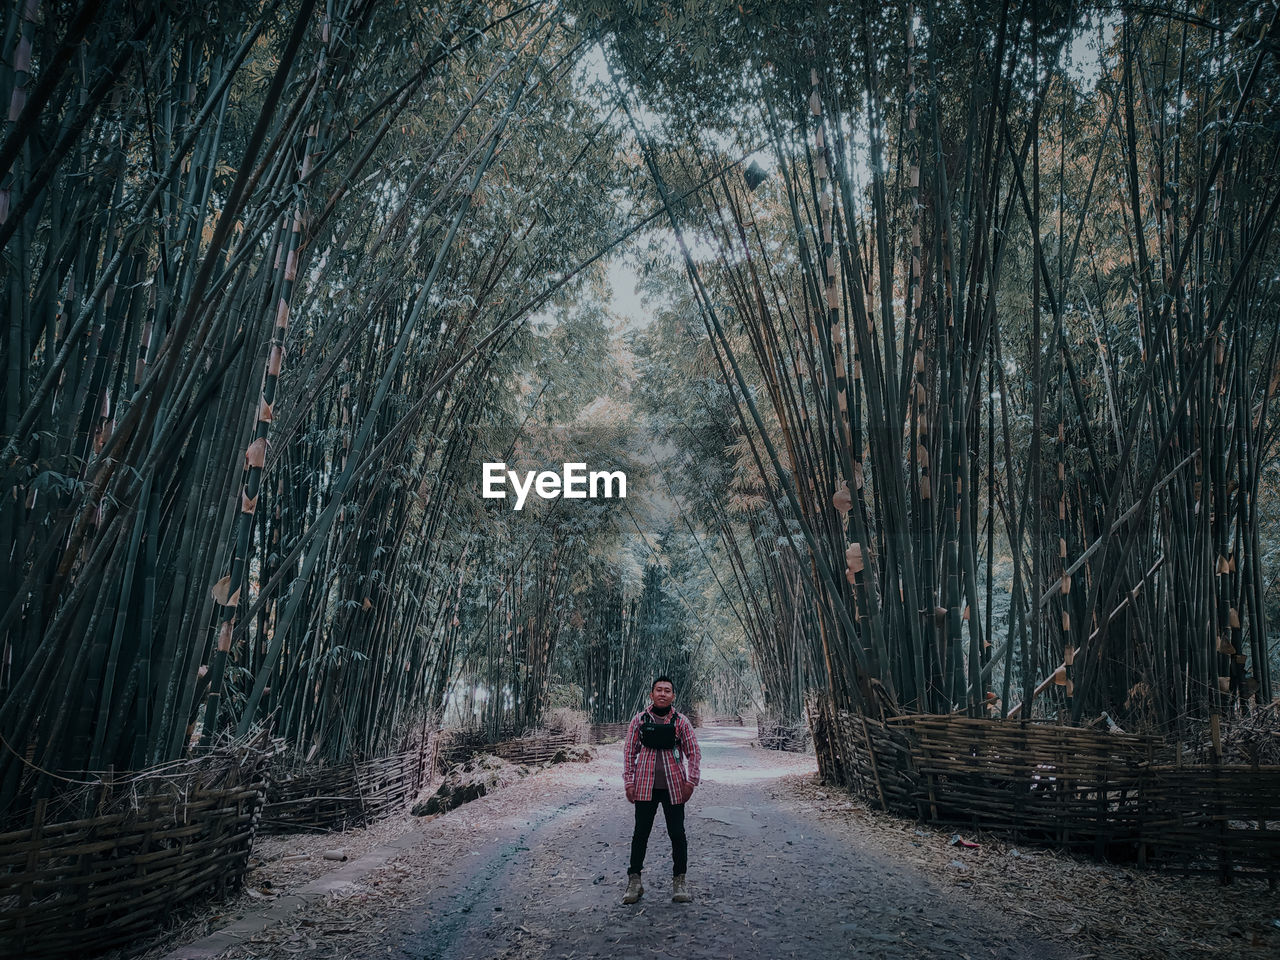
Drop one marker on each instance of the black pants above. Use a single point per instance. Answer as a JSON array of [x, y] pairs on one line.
[[646, 810]]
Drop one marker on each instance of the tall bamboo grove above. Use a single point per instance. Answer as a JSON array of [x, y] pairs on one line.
[[999, 334]]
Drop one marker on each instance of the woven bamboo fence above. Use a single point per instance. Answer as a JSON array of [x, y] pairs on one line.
[[74, 884], [535, 749], [1069, 786], [868, 757], [772, 735], [1100, 793], [345, 796], [608, 732], [1207, 818]]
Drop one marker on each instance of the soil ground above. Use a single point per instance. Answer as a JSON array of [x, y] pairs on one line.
[[779, 867]]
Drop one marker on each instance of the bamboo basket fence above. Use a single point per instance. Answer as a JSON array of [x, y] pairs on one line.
[[140, 846], [1104, 794], [326, 798]]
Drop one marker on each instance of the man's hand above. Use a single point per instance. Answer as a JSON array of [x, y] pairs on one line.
[[631, 792]]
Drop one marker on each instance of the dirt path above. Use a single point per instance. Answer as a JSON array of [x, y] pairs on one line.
[[779, 868], [767, 884], [538, 870]]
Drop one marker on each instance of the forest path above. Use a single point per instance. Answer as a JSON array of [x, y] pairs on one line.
[[767, 883], [779, 867]]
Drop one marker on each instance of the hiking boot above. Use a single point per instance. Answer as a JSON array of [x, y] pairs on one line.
[[635, 889], [679, 892]]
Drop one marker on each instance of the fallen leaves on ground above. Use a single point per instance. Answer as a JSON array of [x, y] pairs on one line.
[[1100, 909]]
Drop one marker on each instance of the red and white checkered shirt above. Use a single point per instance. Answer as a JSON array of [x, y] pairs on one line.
[[639, 761]]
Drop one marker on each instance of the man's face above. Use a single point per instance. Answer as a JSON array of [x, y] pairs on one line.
[[662, 694]]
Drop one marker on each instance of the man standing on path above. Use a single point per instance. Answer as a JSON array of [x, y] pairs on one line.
[[653, 774]]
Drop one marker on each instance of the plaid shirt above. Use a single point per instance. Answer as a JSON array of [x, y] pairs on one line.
[[638, 761]]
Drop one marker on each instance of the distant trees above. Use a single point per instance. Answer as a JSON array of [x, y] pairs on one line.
[[625, 639]]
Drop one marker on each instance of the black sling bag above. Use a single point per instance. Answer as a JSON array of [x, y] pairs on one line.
[[658, 736]]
